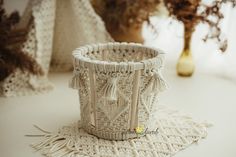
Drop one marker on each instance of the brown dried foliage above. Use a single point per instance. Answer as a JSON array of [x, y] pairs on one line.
[[120, 14], [11, 56], [192, 12]]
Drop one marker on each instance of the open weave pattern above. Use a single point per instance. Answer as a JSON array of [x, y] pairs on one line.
[[175, 132], [76, 24], [118, 85], [38, 45]]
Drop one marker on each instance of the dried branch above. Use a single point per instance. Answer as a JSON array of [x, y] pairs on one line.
[[187, 11], [120, 14], [11, 56]]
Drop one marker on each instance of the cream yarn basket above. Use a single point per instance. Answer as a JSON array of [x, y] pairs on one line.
[[118, 85]]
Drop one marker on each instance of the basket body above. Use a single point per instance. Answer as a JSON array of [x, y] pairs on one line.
[[118, 86]]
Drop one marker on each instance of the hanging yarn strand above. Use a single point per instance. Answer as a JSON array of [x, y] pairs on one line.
[[159, 84], [75, 81], [109, 90]]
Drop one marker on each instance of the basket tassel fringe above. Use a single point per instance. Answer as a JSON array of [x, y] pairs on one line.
[[109, 90], [158, 83], [74, 82]]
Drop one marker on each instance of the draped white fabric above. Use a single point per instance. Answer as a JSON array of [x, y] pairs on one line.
[[207, 57]]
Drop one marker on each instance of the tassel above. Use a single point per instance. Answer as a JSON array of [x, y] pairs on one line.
[[159, 84], [74, 82], [109, 90]]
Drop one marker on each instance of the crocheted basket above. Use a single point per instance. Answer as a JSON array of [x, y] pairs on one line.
[[118, 84]]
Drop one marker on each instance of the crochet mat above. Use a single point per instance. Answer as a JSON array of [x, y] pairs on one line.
[[175, 132]]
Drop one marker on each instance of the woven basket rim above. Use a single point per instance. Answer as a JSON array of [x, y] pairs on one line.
[[158, 59]]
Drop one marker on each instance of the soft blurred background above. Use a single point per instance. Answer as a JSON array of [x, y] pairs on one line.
[[169, 37]]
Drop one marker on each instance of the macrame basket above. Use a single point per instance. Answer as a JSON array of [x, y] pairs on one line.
[[118, 86]]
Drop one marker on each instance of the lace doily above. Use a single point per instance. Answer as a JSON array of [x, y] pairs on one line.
[[175, 132]]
